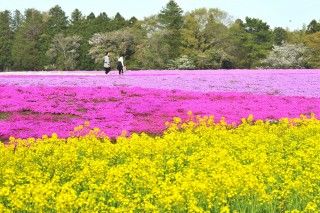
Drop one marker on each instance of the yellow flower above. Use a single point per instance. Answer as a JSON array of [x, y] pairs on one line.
[[195, 166], [225, 209]]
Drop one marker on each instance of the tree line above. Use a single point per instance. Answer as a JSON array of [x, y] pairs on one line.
[[200, 39]]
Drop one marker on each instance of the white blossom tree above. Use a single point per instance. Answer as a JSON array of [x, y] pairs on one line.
[[64, 52], [287, 56], [121, 42]]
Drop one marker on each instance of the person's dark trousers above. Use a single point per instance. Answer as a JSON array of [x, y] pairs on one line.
[[120, 70], [107, 70], [120, 67]]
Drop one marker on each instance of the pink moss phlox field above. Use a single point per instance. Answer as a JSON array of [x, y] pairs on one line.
[[304, 83], [31, 111]]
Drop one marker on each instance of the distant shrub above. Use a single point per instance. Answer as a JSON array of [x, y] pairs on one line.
[[287, 56], [182, 63]]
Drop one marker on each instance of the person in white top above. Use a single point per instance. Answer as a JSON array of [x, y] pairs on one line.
[[106, 64], [120, 65]]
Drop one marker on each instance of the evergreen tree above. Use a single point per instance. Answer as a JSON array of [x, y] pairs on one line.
[[118, 22], [6, 36], [280, 36], [26, 48], [203, 38], [18, 18], [103, 23], [57, 22], [171, 16], [254, 39], [76, 17], [132, 21], [91, 16], [313, 27], [171, 19], [77, 23]]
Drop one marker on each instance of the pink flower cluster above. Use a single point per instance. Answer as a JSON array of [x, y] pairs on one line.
[[270, 82], [33, 105]]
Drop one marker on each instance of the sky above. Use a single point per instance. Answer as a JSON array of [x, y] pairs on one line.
[[292, 14]]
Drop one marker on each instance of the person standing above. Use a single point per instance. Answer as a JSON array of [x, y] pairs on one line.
[[106, 65], [120, 65]]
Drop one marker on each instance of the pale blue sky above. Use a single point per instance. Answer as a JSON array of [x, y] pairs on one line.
[[285, 13]]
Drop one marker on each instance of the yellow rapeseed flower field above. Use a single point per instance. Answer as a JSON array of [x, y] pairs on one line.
[[198, 166]]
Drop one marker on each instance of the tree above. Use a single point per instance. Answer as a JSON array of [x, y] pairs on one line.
[[18, 19], [121, 42], [171, 20], [86, 28], [205, 37], [76, 17], [77, 23], [313, 27], [6, 36], [57, 22], [63, 52], [81, 26], [253, 40], [119, 22], [296, 36], [237, 49], [152, 53], [280, 36], [26, 51], [205, 28], [91, 16], [102, 23], [312, 41], [132, 21], [182, 63], [287, 56], [171, 16], [151, 50]]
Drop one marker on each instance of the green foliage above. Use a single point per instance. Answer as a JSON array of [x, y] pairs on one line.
[[17, 20], [313, 27], [171, 16], [26, 48], [287, 56], [152, 52], [76, 17], [182, 63], [133, 20], [63, 52], [280, 35], [119, 21], [57, 21], [203, 39], [6, 36], [171, 20], [313, 42], [252, 41], [121, 42]]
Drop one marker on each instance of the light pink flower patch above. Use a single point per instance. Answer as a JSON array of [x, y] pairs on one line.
[[301, 82]]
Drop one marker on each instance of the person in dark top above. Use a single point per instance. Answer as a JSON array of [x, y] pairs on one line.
[[106, 64], [120, 65]]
